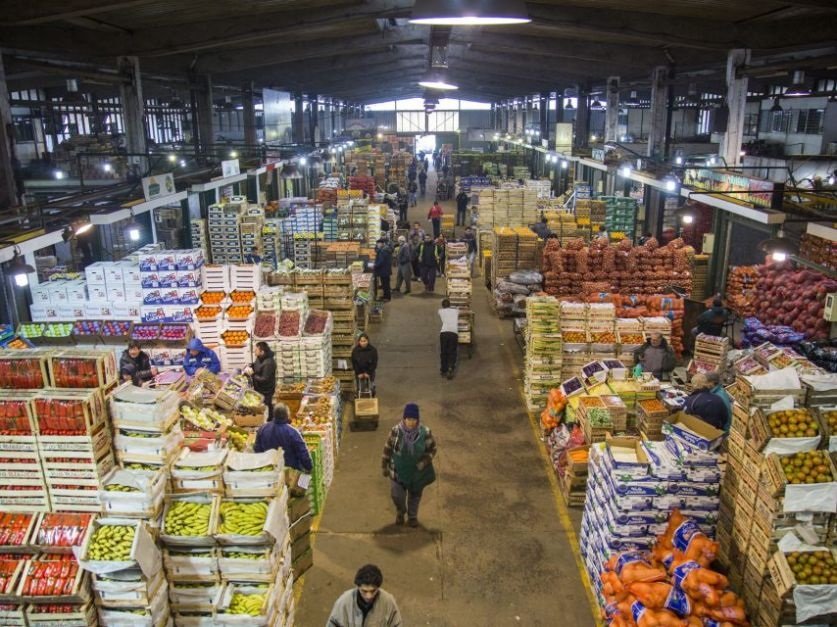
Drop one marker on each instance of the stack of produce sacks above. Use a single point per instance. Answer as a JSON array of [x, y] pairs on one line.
[[671, 585], [510, 293], [543, 349], [742, 289], [633, 486]]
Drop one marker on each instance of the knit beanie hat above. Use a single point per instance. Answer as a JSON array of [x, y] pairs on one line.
[[411, 410]]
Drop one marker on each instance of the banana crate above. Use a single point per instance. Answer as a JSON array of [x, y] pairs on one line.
[[199, 471], [103, 552], [254, 474], [189, 504], [127, 589], [135, 446], [247, 515], [249, 563], [191, 564], [194, 596], [134, 493], [154, 614], [255, 606]]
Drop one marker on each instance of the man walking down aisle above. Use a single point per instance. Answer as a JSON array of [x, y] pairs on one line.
[[448, 338]]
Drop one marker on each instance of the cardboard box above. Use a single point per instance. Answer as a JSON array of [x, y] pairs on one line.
[[166, 260], [41, 294], [168, 278], [188, 296], [76, 292], [113, 274], [71, 312], [693, 431], [117, 294], [98, 293], [188, 278], [95, 273], [150, 280], [58, 294], [301, 545], [148, 262], [300, 527], [170, 296], [131, 274], [189, 259]]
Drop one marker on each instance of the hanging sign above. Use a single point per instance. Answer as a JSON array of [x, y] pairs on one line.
[[564, 137], [158, 185], [744, 189], [230, 168]]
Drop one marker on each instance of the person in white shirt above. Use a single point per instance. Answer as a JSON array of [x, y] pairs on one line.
[[448, 338]]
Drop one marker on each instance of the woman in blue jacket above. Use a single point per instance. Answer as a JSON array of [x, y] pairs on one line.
[[199, 356]]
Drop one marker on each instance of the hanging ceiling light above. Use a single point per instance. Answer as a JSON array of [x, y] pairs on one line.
[[71, 231], [19, 269], [596, 105], [778, 248], [469, 12], [437, 81], [569, 106], [777, 107]]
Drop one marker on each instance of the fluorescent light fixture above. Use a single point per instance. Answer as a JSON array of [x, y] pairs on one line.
[[469, 12], [233, 155], [711, 160], [671, 184], [779, 256], [777, 107], [436, 81], [593, 137], [134, 233], [81, 230], [58, 174], [182, 163], [688, 219]]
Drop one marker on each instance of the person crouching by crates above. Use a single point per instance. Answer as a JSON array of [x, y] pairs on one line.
[[199, 356], [408, 463], [263, 373], [365, 363], [278, 433], [448, 338], [135, 365]]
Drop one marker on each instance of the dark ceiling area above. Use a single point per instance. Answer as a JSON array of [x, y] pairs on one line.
[[367, 51]]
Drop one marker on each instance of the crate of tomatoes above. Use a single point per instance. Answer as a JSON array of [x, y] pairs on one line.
[[54, 579], [69, 412], [79, 368], [24, 370], [61, 615], [17, 532], [17, 416], [59, 532]]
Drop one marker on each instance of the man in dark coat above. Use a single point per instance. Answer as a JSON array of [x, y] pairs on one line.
[[263, 373], [461, 207], [383, 268], [278, 433], [135, 365], [705, 405], [427, 258]]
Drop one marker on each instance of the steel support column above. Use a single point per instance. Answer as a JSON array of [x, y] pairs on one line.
[[8, 190], [730, 148], [133, 109], [249, 115], [612, 114], [582, 118], [659, 107]]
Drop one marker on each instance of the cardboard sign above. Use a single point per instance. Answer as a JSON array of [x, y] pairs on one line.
[[158, 185]]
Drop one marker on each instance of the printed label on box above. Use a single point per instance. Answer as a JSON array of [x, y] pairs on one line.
[[150, 279]]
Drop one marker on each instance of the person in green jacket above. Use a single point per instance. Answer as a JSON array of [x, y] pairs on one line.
[[408, 462]]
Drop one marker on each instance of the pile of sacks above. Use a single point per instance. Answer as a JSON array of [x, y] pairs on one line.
[[510, 293]]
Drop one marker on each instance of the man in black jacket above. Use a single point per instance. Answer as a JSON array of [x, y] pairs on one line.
[[135, 365], [263, 373], [427, 258], [383, 268], [461, 207], [705, 405]]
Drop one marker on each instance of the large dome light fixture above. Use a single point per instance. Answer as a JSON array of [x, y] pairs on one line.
[[469, 12]]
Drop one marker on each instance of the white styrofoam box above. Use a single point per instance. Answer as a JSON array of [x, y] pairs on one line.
[[133, 293], [41, 294], [97, 293], [40, 313], [117, 294], [126, 311], [97, 311], [76, 292], [95, 273], [71, 312], [58, 293], [113, 274], [130, 273]]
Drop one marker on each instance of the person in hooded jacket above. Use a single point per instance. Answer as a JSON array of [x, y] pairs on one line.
[[365, 361], [712, 321], [279, 433], [263, 373], [135, 365], [199, 356]]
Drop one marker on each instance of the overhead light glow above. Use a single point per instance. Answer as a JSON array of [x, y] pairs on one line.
[[84, 228], [21, 280], [779, 256], [302, 161], [380, 135], [233, 155], [688, 219], [671, 184], [678, 160], [593, 138], [469, 12], [564, 164], [172, 158], [134, 233], [625, 171], [831, 179], [58, 174], [182, 163], [351, 143], [107, 167], [436, 81]]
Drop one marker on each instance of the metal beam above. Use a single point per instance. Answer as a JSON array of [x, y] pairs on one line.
[[26, 13]]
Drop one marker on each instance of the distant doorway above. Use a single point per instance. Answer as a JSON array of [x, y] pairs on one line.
[[426, 144]]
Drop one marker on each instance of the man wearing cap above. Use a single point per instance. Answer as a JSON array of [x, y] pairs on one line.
[[408, 463], [404, 261]]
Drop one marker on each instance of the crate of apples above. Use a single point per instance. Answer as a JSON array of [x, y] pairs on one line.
[[793, 423], [174, 332], [87, 328], [212, 298], [829, 420], [116, 328], [235, 338], [145, 332]]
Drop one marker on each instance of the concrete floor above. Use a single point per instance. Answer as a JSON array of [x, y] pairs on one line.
[[493, 548]]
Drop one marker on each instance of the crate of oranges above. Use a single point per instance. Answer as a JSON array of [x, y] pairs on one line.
[[239, 312], [213, 298], [242, 297], [235, 338], [207, 313]]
